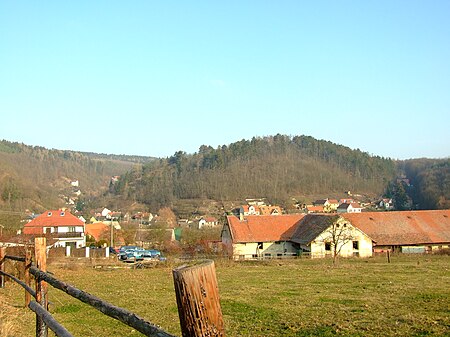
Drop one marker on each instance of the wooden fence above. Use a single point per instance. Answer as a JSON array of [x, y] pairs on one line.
[[195, 286]]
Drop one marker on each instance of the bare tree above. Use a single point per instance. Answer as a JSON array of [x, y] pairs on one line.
[[337, 236]]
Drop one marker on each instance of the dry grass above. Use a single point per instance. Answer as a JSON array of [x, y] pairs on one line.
[[9, 318], [409, 297]]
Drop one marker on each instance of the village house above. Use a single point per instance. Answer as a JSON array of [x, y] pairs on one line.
[[60, 226], [270, 210], [207, 222], [310, 209], [97, 230], [386, 203], [353, 207], [257, 209], [405, 231], [246, 210]]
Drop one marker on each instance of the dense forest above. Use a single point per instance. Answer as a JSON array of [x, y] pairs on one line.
[[36, 178], [429, 182], [278, 168], [275, 167]]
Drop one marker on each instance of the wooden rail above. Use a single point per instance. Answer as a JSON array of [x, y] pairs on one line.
[[108, 309], [48, 319], [195, 286]]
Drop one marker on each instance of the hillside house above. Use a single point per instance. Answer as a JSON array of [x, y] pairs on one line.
[[207, 222], [60, 226], [270, 210], [310, 209], [386, 203], [353, 207], [405, 231], [326, 235], [246, 210]]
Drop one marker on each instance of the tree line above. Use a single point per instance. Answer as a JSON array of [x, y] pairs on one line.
[[276, 167]]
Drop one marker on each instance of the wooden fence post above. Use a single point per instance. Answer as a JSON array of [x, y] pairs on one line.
[[40, 246], [198, 303], [2, 266], [388, 256], [27, 277]]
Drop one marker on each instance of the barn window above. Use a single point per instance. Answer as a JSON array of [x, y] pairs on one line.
[[356, 245], [328, 246]]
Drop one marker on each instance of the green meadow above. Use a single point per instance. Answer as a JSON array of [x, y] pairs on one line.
[[358, 297]]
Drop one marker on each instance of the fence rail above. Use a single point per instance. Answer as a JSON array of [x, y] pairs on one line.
[[199, 278]]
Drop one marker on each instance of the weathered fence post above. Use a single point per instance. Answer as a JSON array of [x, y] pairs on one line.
[[40, 246], [27, 277], [388, 256], [198, 303], [2, 266]]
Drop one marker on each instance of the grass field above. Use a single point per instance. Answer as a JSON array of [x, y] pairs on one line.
[[359, 297]]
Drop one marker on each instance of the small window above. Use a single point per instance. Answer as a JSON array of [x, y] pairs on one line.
[[49, 214], [62, 213], [356, 245], [328, 246], [260, 245]]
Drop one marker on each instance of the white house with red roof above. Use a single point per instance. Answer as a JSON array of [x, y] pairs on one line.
[[353, 207], [207, 222], [60, 226]]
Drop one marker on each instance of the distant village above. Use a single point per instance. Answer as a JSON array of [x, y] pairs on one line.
[[254, 230]]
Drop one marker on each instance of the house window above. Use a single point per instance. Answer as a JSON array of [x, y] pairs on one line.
[[62, 213], [260, 245], [72, 229], [355, 245], [328, 246], [49, 214]]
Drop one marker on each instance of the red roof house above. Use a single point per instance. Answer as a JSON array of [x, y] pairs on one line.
[[60, 225]]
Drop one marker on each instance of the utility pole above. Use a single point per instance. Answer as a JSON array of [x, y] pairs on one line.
[[112, 234]]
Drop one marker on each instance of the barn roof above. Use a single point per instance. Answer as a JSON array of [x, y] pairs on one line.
[[263, 228], [311, 226], [403, 228], [96, 229]]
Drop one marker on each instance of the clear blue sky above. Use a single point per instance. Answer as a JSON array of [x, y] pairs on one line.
[[154, 77]]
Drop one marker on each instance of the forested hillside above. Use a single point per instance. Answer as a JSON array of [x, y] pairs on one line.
[[276, 167], [37, 178], [430, 182]]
